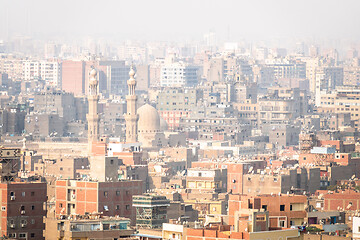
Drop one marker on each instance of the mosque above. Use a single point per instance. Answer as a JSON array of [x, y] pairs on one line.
[[150, 126], [144, 126]]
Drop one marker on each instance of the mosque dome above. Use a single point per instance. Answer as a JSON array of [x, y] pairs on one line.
[[149, 119]]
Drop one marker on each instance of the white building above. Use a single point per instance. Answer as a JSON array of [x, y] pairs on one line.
[[118, 147], [48, 71], [356, 228], [179, 75]]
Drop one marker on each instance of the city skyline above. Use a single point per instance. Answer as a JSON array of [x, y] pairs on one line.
[[180, 120]]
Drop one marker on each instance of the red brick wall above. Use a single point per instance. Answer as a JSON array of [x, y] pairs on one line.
[[333, 201]]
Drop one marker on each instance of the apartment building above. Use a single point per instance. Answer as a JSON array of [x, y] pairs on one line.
[[111, 198]]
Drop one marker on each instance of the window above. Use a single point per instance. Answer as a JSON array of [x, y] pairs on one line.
[[264, 207], [117, 207], [32, 235], [23, 194], [12, 235], [105, 194], [61, 169], [3, 208], [22, 235], [117, 193], [127, 207], [32, 207], [282, 208], [60, 205], [32, 221], [281, 223], [291, 223], [32, 194]]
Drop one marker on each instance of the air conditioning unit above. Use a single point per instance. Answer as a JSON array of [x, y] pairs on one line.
[[22, 212], [12, 225], [12, 198], [23, 225]]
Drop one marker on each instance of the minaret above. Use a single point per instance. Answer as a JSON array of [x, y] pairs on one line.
[[131, 116], [92, 116]]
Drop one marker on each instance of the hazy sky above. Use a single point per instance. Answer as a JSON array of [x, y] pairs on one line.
[[181, 19]]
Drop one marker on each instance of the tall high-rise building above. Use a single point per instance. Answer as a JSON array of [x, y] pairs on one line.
[[93, 117], [143, 77], [49, 71], [179, 75], [112, 77], [73, 77], [131, 117]]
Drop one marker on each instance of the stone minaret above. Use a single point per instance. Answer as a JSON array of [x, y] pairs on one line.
[[92, 116], [131, 116]]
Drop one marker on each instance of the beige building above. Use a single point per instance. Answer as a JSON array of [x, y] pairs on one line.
[[208, 207], [88, 227], [292, 234], [202, 179], [284, 181], [341, 100], [173, 231], [311, 65], [276, 110], [351, 75]]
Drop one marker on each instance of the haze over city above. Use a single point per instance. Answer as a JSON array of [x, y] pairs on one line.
[[180, 120], [175, 20]]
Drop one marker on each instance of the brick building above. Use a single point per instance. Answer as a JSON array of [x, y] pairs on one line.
[[22, 209], [284, 210], [111, 198], [235, 171]]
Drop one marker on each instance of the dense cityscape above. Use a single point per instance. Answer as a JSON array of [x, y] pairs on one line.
[[213, 138]]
